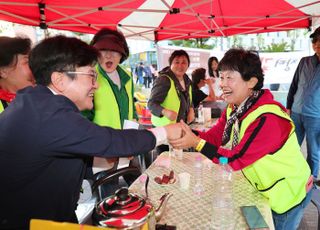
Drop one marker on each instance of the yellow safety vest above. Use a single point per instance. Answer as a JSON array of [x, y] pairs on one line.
[[281, 176], [107, 112], [1, 107], [171, 102]]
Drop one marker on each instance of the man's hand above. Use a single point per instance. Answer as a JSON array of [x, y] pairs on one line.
[[189, 139], [171, 115], [174, 131], [112, 159]]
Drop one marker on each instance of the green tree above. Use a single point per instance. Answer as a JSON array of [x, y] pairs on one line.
[[5, 26], [293, 35], [260, 41], [193, 43], [237, 41], [273, 47]]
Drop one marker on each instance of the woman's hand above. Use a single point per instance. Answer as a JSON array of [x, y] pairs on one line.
[[212, 96], [210, 81], [171, 115], [188, 140], [289, 112], [191, 115]]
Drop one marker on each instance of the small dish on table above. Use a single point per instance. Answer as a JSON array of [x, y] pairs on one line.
[[166, 178]]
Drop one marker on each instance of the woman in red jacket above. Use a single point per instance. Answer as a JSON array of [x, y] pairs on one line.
[[258, 137]]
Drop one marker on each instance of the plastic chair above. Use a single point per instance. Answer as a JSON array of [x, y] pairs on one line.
[[140, 96], [315, 199], [139, 108]]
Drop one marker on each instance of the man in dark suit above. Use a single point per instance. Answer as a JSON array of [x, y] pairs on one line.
[[45, 143]]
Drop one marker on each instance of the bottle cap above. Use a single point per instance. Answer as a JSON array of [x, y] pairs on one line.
[[223, 160], [198, 158]]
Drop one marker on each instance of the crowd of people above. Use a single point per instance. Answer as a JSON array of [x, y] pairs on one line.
[[145, 74], [64, 104]]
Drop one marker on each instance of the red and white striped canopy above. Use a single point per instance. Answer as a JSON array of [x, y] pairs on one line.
[[164, 19]]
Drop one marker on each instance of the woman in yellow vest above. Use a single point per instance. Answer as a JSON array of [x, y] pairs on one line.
[[258, 137], [15, 73], [113, 100], [171, 95]]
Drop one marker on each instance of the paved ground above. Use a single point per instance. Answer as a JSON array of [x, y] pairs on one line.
[[310, 218]]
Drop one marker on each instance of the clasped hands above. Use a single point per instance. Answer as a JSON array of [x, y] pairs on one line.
[[180, 136]]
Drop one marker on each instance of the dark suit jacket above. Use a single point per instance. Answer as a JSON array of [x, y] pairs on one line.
[[44, 145]]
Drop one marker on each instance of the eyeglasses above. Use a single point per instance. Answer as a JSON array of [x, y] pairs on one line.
[[92, 74]]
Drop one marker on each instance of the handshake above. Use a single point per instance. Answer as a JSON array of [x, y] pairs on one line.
[[180, 136]]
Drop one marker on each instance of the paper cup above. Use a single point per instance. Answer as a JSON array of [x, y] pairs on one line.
[[184, 180], [178, 153], [171, 151]]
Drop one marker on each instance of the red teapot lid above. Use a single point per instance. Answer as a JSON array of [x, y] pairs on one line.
[[122, 210]]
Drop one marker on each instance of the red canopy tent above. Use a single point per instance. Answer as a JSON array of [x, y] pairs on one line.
[[164, 19]]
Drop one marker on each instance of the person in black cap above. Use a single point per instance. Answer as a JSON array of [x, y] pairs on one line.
[[113, 100], [116, 86], [303, 103]]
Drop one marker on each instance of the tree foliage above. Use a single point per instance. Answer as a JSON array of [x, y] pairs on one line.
[[5, 26], [260, 41], [293, 35], [279, 47], [236, 41], [193, 43]]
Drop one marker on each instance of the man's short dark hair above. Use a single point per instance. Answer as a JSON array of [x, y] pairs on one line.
[[59, 54], [179, 53], [247, 63], [11, 47]]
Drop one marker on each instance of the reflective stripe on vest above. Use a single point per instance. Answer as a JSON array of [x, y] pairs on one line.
[[171, 102], [106, 108], [281, 176], [1, 107]]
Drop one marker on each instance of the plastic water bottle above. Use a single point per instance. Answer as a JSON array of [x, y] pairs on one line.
[[198, 174], [223, 213], [200, 114]]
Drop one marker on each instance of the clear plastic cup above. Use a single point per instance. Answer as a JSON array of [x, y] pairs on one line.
[[184, 180], [177, 153]]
